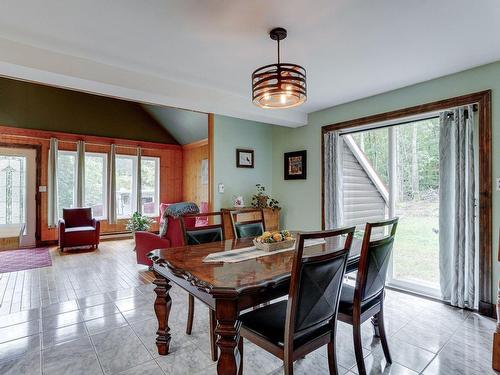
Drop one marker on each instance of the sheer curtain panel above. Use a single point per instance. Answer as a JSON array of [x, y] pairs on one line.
[[52, 209], [333, 180], [457, 243]]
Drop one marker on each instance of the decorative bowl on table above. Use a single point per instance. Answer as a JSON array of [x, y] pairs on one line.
[[272, 241]]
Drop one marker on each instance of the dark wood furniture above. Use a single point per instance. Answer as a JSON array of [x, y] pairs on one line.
[[196, 236], [292, 328], [227, 288], [496, 335], [366, 299], [244, 228], [271, 218]]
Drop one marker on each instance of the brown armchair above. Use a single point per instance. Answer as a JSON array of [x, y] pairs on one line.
[[78, 228]]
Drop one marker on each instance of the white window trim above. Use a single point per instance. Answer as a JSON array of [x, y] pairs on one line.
[[105, 182], [157, 184], [134, 185], [75, 166]]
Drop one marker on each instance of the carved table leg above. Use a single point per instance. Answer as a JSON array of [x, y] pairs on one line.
[[163, 304], [496, 337], [228, 331]]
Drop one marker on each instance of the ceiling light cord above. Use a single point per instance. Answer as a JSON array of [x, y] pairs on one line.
[[279, 60]]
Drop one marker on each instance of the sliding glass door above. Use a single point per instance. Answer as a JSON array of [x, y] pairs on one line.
[[394, 171], [414, 180]]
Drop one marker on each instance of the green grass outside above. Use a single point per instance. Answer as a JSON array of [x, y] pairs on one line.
[[416, 248]]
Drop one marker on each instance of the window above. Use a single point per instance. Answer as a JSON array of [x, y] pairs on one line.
[[150, 185], [126, 175], [12, 189], [66, 180], [96, 183]]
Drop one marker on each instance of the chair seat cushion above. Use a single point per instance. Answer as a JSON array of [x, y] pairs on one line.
[[80, 229], [269, 322], [347, 298]]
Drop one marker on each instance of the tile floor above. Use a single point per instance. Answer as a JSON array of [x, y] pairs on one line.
[[114, 333]]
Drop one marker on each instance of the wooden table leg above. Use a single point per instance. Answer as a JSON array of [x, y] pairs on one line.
[[163, 304], [496, 337], [228, 331]]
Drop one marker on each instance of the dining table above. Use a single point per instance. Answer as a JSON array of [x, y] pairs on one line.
[[228, 287]]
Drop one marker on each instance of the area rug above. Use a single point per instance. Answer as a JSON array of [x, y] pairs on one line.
[[24, 259]]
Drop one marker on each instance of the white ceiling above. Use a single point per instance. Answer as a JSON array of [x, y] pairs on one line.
[[200, 54]]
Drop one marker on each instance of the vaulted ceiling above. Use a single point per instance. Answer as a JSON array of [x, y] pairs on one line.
[[200, 54]]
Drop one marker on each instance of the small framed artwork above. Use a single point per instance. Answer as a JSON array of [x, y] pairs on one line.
[[296, 165], [244, 158]]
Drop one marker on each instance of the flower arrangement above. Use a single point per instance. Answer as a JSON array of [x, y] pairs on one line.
[[262, 200], [139, 222]]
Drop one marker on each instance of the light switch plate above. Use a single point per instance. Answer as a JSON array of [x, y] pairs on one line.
[[221, 188], [498, 183]]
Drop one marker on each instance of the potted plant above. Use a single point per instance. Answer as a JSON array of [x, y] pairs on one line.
[[139, 223], [262, 200]]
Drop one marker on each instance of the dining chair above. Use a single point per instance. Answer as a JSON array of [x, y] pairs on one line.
[[366, 299], [248, 228], [196, 236], [292, 328]]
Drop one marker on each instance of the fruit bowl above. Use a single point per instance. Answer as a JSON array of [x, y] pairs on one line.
[[272, 241]]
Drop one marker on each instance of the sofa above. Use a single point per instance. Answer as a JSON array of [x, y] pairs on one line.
[[78, 228]]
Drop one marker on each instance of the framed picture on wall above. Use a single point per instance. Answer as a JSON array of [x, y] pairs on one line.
[[296, 165], [244, 158]]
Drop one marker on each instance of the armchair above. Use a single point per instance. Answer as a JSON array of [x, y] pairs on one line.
[[78, 228], [145, 242]]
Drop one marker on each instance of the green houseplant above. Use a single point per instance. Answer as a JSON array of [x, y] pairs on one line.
[[139, 222], [262, 200]]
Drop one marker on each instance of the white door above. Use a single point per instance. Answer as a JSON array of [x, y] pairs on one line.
[[18, 192]]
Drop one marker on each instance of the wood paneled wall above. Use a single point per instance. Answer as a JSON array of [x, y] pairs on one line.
[[193, 188], [170, 166]]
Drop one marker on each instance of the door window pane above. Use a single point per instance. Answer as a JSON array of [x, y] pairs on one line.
[[150, 195], [12, 189], [125, 185], [95, 183], [66, 180]]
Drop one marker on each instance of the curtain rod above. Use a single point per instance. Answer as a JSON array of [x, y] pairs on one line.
[[86, 143]]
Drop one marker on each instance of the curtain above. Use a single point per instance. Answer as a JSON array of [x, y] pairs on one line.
[[53, 210], [112, 185], [80, 173], [139, 181], [457, 244], [333, 180]]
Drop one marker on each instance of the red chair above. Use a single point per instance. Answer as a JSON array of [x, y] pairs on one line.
[[145, 242], [78, 228]]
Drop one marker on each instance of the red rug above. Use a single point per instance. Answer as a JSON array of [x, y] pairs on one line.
[[24, 259]]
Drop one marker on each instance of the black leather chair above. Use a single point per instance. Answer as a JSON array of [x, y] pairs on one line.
[[248, 228], [291, 329], [198, 236], [366, 299]]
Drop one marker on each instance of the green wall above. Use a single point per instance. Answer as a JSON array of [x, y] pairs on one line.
[[34, 106], [302, 199], [229, 134]]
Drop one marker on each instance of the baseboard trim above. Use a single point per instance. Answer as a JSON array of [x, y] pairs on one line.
[[487, 309]]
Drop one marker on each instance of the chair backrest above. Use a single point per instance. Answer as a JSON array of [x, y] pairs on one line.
[[77, 217], [248, 228], [374, 261], [316, 282], [208, 233]]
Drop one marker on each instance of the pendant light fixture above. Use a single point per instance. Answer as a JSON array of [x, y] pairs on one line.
[[281, 85]]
